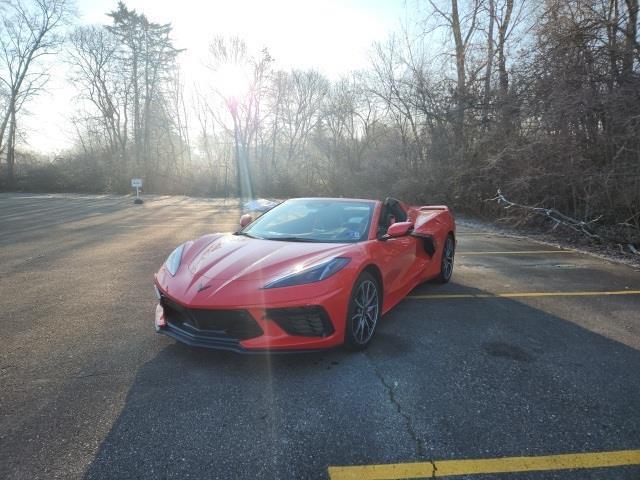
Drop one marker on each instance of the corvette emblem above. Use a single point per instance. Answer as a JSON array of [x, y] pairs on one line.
[[202, 287]]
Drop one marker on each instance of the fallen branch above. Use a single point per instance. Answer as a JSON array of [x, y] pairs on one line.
[[580, 226]]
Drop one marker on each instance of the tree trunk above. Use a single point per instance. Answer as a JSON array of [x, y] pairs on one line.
[[503, 76], [502, 38], [487, 78], [136, 108], [631, 42], [11, 148], [461, 86], [612, 37]]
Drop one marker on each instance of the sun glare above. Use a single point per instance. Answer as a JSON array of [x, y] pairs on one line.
[[232, 81]]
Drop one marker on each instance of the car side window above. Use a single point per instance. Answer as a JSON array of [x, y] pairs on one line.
[[383, 221], [390, 213]]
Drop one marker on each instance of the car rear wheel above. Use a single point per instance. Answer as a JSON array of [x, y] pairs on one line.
[[363, 313], [446, 265]]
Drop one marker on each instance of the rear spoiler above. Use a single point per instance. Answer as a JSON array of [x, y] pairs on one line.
[[433, 207]]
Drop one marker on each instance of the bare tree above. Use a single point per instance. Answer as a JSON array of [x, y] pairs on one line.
[[393, 83], [97, 71], [28, 32], [175, 106], [300, 109], [489, 67], [463, 26], [240, 87], [351, 114]]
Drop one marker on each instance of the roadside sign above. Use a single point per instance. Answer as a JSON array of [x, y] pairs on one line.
[[137, 184]]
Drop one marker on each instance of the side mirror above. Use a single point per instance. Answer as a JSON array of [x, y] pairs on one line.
[[245, 220], [399, 229]]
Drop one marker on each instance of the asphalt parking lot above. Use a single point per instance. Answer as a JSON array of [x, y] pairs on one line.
[[531, 351]]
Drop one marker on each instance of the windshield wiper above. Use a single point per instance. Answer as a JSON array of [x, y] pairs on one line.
[[291, 239], [248, 235]]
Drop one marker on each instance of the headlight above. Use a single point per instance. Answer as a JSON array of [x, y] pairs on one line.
[[173, 262], [311, 274]]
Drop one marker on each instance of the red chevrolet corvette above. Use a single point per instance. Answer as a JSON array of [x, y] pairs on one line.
[[311, 273]]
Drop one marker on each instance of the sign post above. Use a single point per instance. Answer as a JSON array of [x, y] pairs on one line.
[[137, 184]]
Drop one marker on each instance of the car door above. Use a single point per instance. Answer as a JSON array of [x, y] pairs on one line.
[[396, 258]]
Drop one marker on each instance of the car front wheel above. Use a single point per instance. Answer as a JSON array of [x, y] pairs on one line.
[[363, 313]]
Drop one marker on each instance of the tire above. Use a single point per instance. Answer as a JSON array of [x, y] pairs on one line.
[[446, 263], [363, 317]]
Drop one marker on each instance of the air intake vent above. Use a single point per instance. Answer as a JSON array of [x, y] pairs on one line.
[[232, 324], [302, 321]]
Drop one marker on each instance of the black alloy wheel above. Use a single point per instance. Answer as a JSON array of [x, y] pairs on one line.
[[446, 265], [364, 312]]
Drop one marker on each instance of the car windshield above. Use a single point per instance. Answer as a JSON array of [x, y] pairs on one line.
[[315, 220]]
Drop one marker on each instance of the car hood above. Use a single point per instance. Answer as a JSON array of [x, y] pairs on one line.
[[236, 257]]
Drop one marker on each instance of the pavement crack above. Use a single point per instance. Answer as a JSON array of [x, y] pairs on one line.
[[408, 423]]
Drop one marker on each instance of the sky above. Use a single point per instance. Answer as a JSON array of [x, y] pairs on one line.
[[332, 36]]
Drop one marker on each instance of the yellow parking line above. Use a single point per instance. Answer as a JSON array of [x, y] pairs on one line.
[[437, 296], [445, 468], [517, 252]]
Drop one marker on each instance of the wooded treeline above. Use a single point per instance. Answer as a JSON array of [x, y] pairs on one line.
[[538, 98]]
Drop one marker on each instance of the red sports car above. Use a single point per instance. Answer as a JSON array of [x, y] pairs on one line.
[[309, 274]]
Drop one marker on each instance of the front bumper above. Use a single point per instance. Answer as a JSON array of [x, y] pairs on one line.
[[317, 324]]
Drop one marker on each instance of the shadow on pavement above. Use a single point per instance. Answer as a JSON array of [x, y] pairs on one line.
[[473, 378]]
